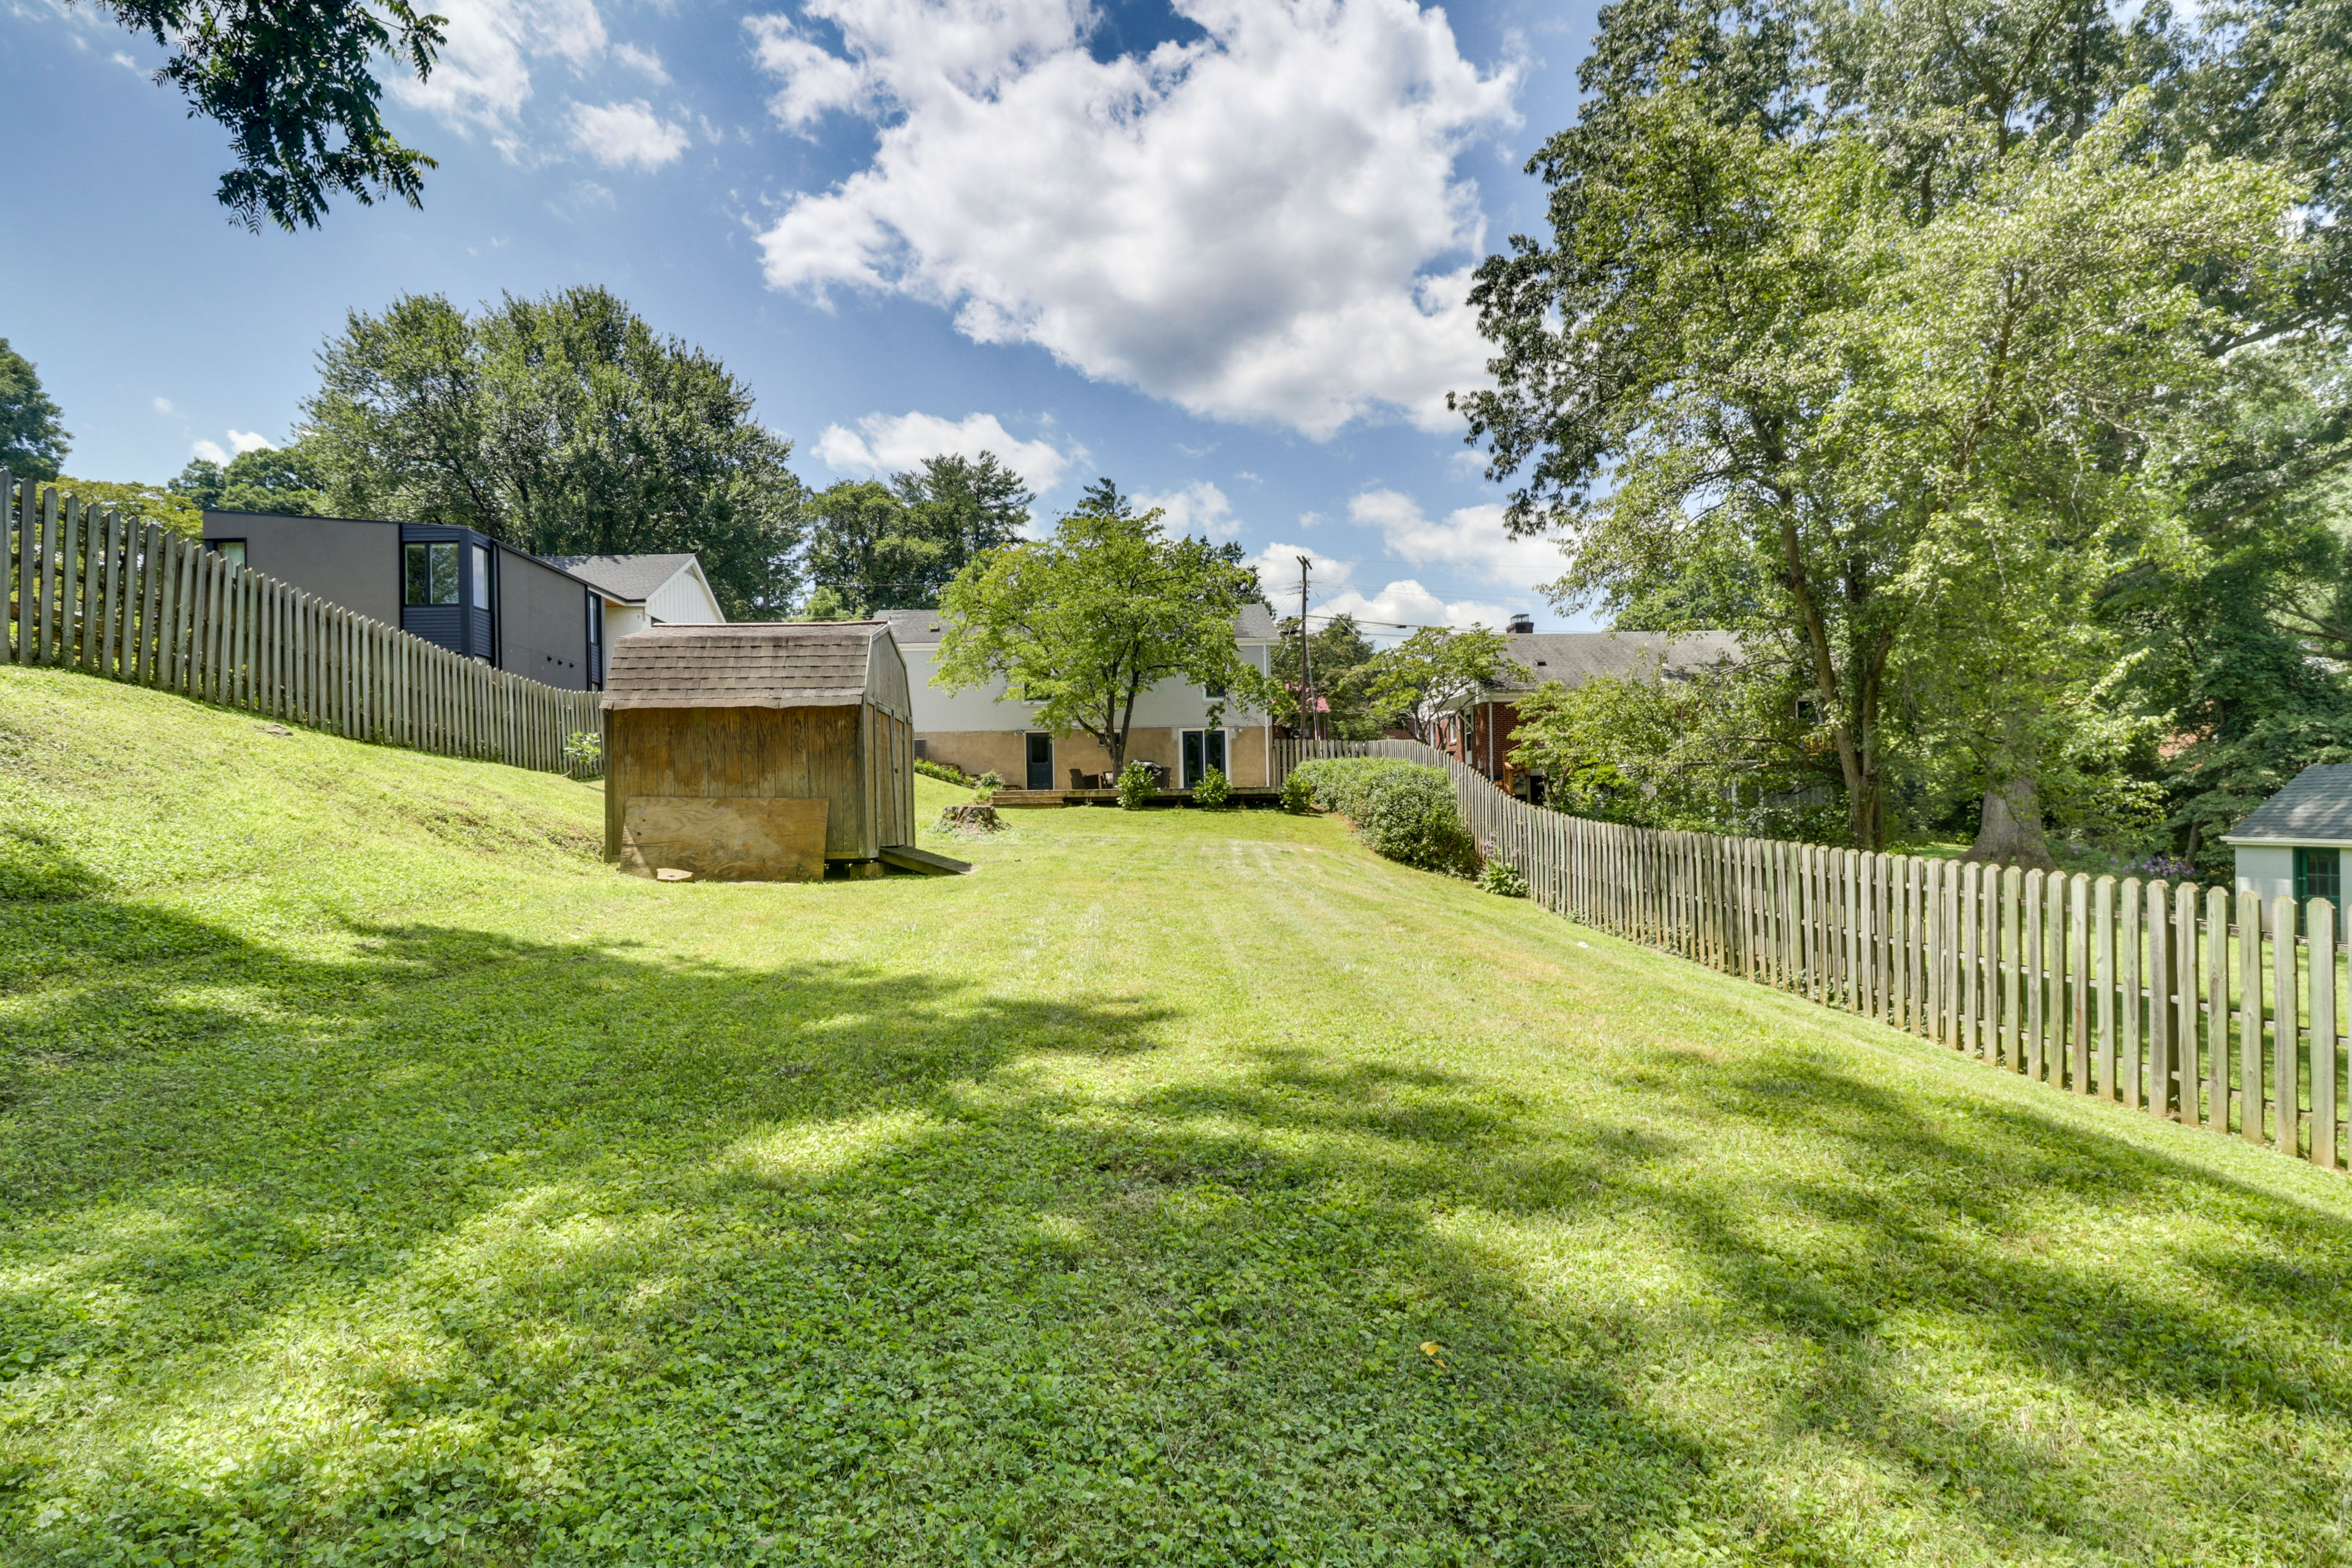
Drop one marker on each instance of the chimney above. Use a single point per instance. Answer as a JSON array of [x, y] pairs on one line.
[[1521, 624]]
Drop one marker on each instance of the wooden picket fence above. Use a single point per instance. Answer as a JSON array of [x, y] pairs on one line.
[[129, 601], [2194, 1004]]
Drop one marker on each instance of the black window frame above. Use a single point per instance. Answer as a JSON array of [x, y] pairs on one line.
[[595, 638], [413, 576], [243, 556]]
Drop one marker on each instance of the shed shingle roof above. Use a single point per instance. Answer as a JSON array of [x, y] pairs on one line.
[[2315, 807], [630, 577], [777, 664]]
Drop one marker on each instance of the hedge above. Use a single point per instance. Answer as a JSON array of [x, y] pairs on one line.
[[1404, 811]]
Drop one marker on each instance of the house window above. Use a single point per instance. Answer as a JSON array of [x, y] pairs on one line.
[[1215, 692], [430, 573], [232, 550], [482, 577], [596, 640]]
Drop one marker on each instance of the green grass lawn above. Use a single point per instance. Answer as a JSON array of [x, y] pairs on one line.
[[385, 1179]]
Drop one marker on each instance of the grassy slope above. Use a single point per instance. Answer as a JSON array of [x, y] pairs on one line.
[[382, 1179]]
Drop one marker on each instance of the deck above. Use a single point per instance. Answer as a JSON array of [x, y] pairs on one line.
[[1021, 799]]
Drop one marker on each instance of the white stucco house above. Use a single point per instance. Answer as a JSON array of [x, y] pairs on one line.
[[2293, 843], [988, 730], [642, 590]]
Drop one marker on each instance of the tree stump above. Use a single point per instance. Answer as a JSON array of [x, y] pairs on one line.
[[972, 817]]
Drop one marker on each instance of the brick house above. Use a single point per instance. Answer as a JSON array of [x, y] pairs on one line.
[[1478, 728]]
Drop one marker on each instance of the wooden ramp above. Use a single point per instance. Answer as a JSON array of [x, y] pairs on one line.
[[906, 858]]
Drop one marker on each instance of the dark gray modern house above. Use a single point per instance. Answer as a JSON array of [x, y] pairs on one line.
[[449, 585]]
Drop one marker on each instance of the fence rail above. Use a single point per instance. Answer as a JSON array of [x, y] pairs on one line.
[[132, 602], [2198, 1004]]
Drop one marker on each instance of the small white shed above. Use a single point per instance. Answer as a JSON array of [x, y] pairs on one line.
[[2294, 842]]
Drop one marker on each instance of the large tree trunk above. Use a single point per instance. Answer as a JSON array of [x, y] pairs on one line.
[[2011, 830]]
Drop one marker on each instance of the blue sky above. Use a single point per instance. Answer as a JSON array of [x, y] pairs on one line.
[[1214, 250]]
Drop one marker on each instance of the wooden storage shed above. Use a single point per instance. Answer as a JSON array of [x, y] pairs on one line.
[[757, 751]]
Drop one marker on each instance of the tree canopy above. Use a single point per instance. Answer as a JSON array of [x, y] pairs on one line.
[[1341, 659], [32, 441], [563, 425], [1082, 623], [876, 546], [287, 481], [138, 503], [1434, 669], [1894, 340], [294, 82]]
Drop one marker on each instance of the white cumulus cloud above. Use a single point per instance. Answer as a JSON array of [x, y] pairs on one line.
[[1472, 538], [892, 442], [250, 441], [814, 81], [1262, 224], [621, 135], [483, 76], [1333, 591], [210, 451], [644, 61], [1199, 508], [1407, 603]]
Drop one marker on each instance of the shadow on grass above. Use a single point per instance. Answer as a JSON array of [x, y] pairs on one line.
[[463, 1249], [2054, 1335]]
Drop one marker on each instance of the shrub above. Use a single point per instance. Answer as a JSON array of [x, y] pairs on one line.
[[1404, 811], [1338, 784], [584, 754], [1137, 786], [1503, 879], [1215, 790], [1410, 814], [1297, 794], [985, 786]]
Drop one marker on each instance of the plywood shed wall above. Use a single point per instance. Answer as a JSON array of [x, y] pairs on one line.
[[705, 723]]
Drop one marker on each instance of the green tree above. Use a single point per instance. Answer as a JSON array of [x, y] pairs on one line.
[[32, 442], [1435, 668], [286, 480], [874, 546], [1781, 359], [136, 503], [1340, 659], [294, 81], [970, 504], [1083, 623], [565, 425], [862, 553]]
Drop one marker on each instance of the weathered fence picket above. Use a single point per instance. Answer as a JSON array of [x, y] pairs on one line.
[[144, 606], [2164, 998]]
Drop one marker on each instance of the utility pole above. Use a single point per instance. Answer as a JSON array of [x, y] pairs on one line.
[[1306, 671]]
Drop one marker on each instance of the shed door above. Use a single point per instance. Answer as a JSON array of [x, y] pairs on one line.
[[2318, 874], [1040, 761]]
